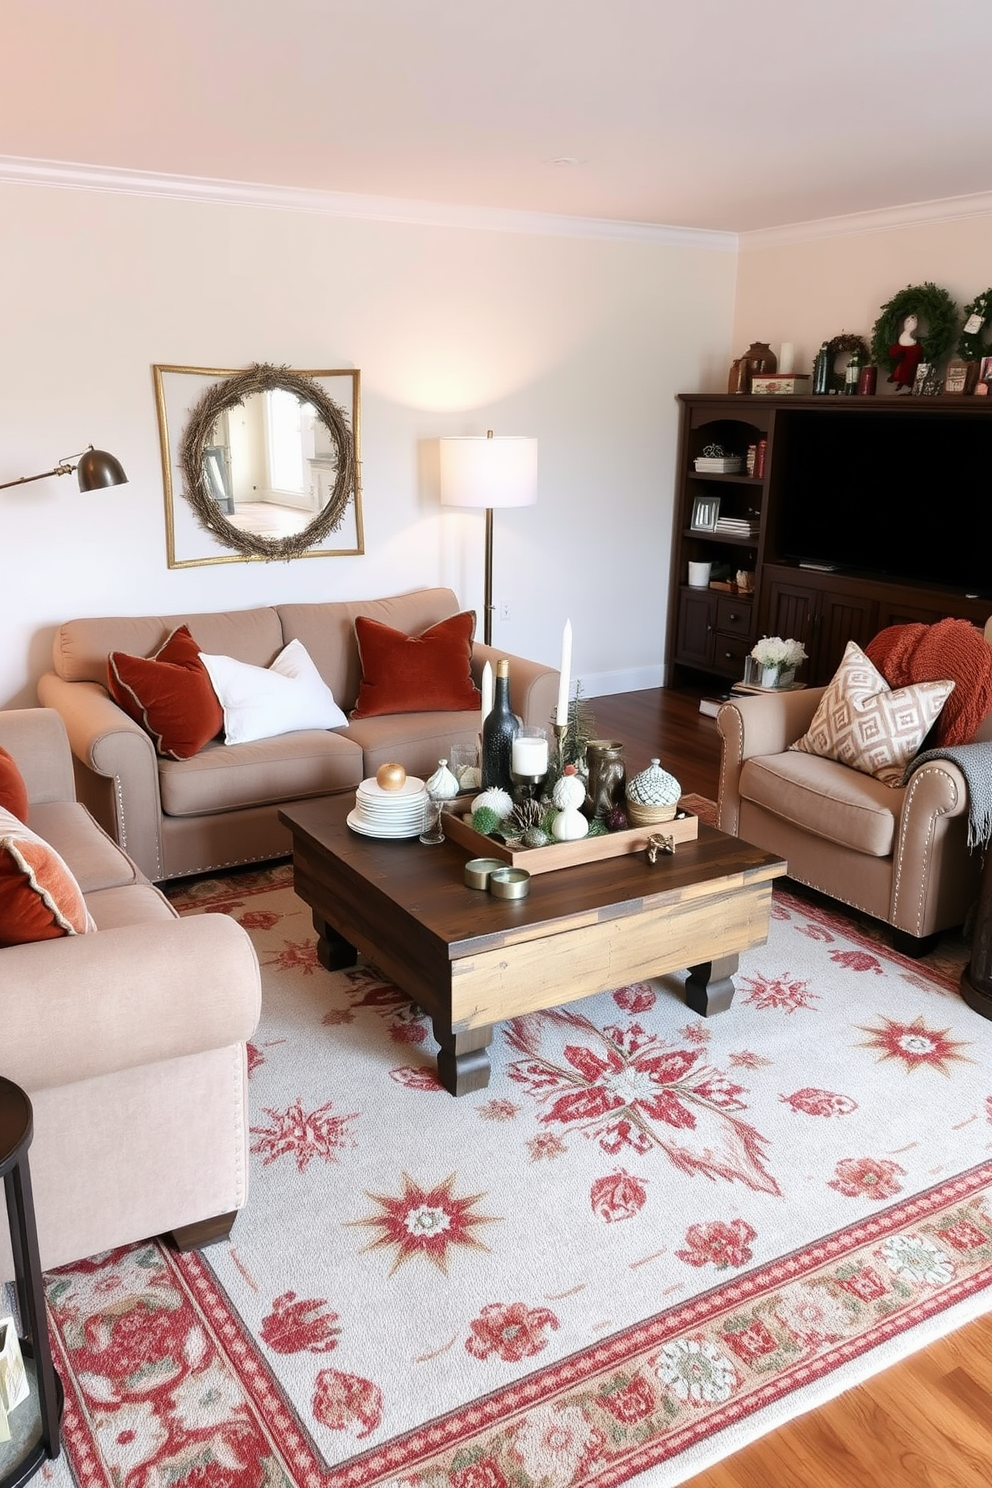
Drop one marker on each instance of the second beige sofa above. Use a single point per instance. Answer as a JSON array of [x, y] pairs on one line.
[[220, 808]]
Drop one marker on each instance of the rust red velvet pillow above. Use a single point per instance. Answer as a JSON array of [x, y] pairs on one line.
[[169, 693], [13, 791], [429, 673], [39, 898]]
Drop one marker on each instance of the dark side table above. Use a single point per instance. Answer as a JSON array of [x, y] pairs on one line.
[[976, 979], [34, 1424]]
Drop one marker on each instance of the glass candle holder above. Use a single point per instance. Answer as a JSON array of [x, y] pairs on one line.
[[529, 759]]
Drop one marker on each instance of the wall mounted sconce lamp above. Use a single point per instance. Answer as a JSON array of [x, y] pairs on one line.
[[95, 469], [488, 472]]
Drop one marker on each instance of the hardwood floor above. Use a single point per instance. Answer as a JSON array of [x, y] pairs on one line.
[[665, 724], [924, 1423]]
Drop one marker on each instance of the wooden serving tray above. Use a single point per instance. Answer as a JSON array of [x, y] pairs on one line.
[[682, 828]]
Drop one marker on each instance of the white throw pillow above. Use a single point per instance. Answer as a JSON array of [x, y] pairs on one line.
[[261, 702]]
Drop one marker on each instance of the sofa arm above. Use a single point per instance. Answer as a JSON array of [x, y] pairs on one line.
[[109, 744], [87, 1005], [757, 724], [533, 686], [37, 741], [935, 792]]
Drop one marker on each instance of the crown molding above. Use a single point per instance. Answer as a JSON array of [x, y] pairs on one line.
[[67, 175], [888, 219]]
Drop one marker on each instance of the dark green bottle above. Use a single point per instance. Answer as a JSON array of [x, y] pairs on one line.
[[498, 730], [822, 369], [852, 374]]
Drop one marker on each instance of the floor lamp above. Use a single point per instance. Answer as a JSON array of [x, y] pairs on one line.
[[488, 473], [96, 468]]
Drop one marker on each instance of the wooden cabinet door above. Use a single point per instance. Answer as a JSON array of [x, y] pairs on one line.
[[696, 627], [841, 618], [789, 611]]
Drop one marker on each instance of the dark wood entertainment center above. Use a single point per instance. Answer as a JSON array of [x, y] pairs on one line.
[[712, 630]]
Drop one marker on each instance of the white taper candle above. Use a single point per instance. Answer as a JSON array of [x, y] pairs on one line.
[[564, 681], [487, 691]]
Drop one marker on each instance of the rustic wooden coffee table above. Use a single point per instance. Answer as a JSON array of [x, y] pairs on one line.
[[471, 960]]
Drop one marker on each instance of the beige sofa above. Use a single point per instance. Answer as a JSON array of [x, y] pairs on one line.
[[130, 1042], [220, 808]]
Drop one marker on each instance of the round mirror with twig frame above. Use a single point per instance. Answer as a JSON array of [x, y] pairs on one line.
[[315, 481]]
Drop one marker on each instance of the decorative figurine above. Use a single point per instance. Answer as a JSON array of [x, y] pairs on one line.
[[908, 354]]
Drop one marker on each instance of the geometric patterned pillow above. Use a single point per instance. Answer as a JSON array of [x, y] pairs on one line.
[[863, 723]]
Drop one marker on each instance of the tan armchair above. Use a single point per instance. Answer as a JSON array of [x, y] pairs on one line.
[[898, 853]]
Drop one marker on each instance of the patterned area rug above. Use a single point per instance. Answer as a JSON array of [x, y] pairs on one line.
[[652, 1238]]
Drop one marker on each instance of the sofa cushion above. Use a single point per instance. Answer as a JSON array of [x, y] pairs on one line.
[[266, 772], [94, 858], [81, 647], [423, 673], [417, 740], [263, 702], [138, 904], [13, 791], [863, 723], [169, 694], [830, 800], [39, 897]]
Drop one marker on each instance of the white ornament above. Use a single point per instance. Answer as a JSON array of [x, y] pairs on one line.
[[494, 799], [569, 791], [442, 785], [569, 825]]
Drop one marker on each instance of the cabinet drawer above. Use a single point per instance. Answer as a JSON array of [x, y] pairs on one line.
[[729, 652], [734, 615]]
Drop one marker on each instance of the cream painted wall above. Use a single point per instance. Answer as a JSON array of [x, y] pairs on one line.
[[808, 292], [581, 342]]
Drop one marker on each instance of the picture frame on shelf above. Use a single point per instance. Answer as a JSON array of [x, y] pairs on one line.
[[985, 369], [960, 376], [705, 512]]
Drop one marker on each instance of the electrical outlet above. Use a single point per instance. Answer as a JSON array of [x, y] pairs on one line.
[[504, 609]]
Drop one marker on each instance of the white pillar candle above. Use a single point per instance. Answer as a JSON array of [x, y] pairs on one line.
[[487, 691], [564, 682], [529, 755], [787, 357]]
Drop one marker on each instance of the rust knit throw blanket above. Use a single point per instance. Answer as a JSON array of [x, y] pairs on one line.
[[928, 653]]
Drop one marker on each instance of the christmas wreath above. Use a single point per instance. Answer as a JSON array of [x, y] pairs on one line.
[[845, 345], [971, 345], [932, 306]]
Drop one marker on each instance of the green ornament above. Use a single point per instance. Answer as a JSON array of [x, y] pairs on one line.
[[485, 820]]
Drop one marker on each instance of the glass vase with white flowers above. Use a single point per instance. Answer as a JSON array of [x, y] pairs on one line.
[[776, 661]]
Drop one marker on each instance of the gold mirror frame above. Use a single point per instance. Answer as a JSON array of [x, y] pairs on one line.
[[227, 389]]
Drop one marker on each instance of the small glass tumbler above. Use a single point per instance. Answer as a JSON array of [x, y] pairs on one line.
[[432, 832], [463, 762]]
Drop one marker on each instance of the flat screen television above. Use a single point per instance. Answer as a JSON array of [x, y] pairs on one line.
[[888, 495]]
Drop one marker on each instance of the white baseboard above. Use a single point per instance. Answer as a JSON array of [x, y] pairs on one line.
[[634, 679]]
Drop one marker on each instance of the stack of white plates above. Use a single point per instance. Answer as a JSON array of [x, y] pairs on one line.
[[389, 813]]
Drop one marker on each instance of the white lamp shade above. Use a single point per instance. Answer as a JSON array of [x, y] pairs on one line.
[[477, 471]]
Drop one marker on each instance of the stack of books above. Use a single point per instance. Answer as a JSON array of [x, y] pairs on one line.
[[738, 526], [719, 464]]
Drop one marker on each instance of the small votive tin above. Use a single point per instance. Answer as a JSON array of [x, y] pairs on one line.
[[509, 883], [477, 871]]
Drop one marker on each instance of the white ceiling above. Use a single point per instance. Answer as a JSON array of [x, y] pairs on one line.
[[716, 114]]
